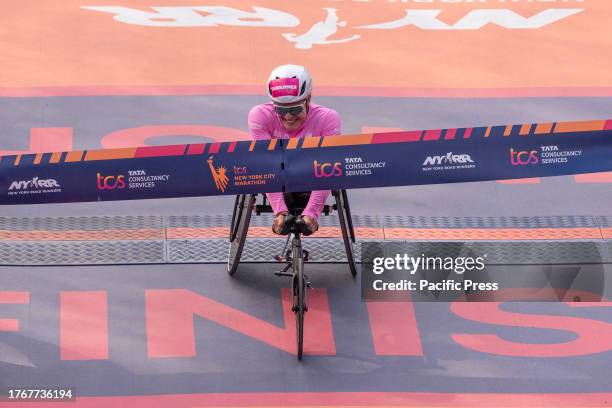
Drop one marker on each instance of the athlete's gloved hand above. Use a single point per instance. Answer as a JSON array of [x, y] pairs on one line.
[[279, 221], [311, 223]]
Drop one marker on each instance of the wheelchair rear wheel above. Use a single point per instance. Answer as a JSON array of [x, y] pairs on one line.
[[241, 218], [346, 225]]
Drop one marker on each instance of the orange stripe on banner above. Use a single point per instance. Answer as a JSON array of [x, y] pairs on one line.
[[272, 144], [293, 142], [17, 160], [252, 146], [55, 157], [160, 151], [543, 128], [606, 233], [450, 134], [111, 154], [196, 149], [311, 142], [82, 235], [433, 134], [214, 148], [525, 129], [38, 158], [488, 132], [508, 130], [492, 233], [75, 156], [563, 127], [329, 141]]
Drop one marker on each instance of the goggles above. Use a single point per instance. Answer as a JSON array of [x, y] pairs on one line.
[[294, 110]]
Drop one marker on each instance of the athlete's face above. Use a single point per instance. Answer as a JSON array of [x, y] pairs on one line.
[[292, 115]]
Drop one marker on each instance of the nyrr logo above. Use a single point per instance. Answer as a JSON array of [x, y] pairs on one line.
[[327, 169], [448, 158], [523, 157], [35, 183], [110, 182], [219, 175]]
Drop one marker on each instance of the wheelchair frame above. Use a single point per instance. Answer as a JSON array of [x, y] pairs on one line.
[[241, 218]]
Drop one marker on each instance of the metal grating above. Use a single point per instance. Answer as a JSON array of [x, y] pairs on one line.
[[263, 220], [400, 221], [604, 221], [122, 240], [82, 252], [255, 250], [199, 221], [93, 223]]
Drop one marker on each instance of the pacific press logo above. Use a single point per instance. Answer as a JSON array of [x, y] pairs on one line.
[[523, 157], [110, 182]]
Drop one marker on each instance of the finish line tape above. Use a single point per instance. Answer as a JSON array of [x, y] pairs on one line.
[[314, 163]]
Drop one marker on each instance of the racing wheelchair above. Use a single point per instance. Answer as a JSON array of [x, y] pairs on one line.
[[294, 255]]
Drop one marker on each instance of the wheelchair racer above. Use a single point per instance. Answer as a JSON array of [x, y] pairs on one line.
[[291, 114]]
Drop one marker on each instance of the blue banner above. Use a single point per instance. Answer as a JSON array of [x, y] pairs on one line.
[[333, 162]]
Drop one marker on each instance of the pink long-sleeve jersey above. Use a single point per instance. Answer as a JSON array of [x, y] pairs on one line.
[[264, 123]]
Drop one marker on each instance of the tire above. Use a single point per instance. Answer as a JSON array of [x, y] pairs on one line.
[[349, 217], [346, 225], [299, 296], [240, 226], [236, 214]]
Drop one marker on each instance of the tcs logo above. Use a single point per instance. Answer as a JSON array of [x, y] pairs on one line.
[[327, 169], [523, 158], [110, 182], [240, 170]]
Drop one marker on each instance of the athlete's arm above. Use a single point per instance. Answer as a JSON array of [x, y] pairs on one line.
[[316, 203], [259, 131]]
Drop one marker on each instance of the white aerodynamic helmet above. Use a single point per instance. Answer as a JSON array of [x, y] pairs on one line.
[[289, 83]]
